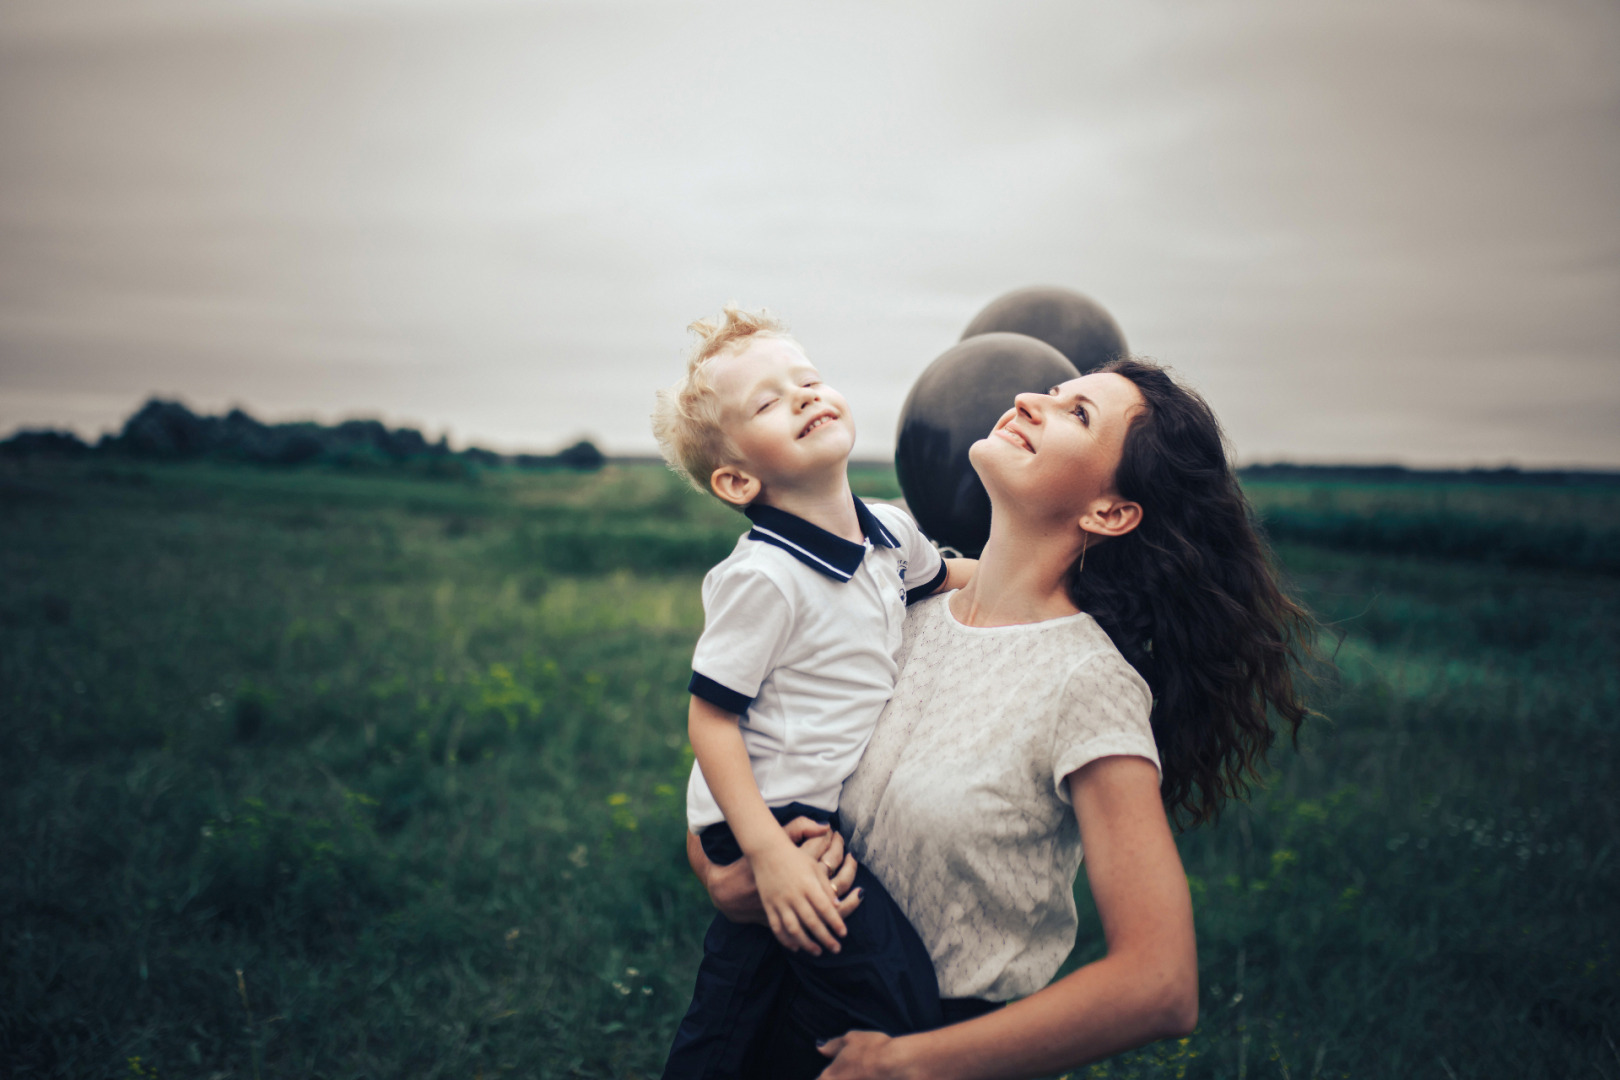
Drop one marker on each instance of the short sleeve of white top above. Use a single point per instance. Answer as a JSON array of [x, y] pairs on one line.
[[959, 805], [801, 635]]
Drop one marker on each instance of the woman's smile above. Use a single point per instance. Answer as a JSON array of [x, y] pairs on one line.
[[1016, 437]]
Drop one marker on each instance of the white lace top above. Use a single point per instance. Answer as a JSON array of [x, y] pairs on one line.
[[959, 804]]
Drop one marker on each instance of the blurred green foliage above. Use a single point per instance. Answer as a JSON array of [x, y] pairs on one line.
[[410, 755], [1576, 528]]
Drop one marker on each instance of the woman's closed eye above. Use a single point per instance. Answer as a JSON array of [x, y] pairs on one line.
[[1079, 409]]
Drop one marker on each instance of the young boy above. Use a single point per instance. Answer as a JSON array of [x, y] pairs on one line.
[[796, 661]]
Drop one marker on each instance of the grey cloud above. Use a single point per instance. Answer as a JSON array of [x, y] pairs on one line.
[[1380, 232]]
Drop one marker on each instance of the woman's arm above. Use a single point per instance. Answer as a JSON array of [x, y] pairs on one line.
[[1145, 988]]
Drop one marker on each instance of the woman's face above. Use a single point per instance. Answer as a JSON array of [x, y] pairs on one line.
[[1055, 454]]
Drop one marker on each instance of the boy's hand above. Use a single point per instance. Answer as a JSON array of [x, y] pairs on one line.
[[732, 890], [799, 901]]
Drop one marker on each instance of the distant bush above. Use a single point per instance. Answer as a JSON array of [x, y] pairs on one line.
[[582, 455], [45, 443], [169, 431]]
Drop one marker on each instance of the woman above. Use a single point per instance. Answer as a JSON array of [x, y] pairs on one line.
[[1110, 666]]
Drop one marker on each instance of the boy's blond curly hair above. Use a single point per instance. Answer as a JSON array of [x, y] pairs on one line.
[[686, 417]]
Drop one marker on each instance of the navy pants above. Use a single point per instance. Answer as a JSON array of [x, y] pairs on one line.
[[757, 1008], [787, 1049]]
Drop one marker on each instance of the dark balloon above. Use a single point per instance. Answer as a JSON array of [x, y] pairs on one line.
[[1074, 325], [955, 403]]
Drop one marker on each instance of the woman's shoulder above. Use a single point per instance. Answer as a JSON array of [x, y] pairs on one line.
[[1098, 651], [1108, 664], [1102, 674], [1104, 709]]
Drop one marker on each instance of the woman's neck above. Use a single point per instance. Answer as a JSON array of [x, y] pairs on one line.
[[1020, 577]]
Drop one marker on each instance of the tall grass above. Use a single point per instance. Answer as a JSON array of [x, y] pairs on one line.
[[408, 754]]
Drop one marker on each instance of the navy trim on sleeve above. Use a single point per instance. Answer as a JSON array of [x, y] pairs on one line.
[[721, 697], [923, 591]]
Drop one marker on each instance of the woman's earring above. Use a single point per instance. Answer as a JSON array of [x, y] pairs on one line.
[[1085, 538]]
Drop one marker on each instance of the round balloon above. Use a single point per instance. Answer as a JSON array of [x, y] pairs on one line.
[[955, 403], [1074, 325]]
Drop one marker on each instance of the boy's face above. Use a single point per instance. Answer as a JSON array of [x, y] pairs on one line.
[[788, 424]]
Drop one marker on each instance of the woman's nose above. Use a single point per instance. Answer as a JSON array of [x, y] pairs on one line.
[[1029, 406]]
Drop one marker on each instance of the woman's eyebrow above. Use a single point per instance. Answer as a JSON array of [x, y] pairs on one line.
[[1079, 397]]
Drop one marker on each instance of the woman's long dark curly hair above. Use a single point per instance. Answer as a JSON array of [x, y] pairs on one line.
[[1191, 598]]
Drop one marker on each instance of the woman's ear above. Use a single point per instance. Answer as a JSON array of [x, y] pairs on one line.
[[1111, 516], [734, 486]]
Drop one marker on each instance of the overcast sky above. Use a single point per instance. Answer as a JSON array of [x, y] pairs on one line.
[[1375, 231]]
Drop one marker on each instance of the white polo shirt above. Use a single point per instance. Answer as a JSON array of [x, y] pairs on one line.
[[801, 638]]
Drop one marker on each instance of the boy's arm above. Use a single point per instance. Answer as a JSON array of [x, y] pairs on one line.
[[799, 902], [958, 572]]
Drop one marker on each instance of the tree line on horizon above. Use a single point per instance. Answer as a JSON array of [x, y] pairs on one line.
[[165, 430], [162, 430]]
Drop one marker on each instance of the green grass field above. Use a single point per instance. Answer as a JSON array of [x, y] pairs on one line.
[[307, 774]]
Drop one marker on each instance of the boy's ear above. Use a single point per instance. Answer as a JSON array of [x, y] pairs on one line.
[[734, 486], [1111, 516]]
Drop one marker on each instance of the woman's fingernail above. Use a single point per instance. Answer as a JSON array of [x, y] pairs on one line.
[[822, 1042]]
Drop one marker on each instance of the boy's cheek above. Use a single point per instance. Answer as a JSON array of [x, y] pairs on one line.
[[766, 449]]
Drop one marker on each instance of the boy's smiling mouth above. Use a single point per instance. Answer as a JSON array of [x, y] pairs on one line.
[[825, 416]]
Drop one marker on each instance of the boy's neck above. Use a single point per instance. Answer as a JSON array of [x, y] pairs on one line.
[[825, 502]]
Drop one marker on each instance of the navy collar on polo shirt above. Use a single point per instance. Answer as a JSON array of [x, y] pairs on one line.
[[814, 546]]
